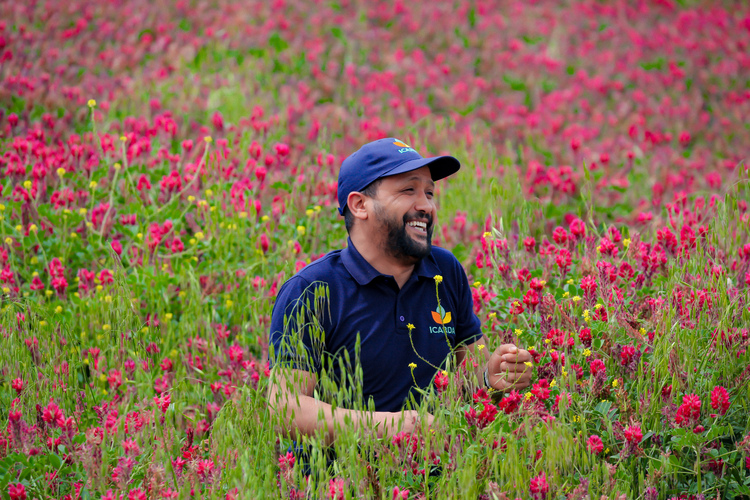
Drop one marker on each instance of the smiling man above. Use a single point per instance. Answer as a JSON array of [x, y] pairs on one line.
[[389, 302]]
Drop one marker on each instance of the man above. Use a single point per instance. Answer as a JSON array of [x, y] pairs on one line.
[[388, 301]]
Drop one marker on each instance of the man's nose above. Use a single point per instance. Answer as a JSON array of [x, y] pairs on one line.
[[424, 204]]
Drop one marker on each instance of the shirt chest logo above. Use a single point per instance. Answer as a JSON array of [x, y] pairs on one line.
[[442, 318]]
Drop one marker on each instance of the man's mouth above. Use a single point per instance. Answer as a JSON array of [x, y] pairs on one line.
[[419, 226]]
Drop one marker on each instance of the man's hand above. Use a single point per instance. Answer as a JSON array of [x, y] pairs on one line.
[[509, 368], [407, 421]]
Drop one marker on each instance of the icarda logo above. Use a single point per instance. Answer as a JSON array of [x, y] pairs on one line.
[[442, 318], [403, 147]]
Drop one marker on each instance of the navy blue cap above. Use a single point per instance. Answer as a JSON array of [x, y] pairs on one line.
[[386, 157]]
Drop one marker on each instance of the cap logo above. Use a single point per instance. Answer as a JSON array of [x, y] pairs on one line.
[[403, 147]]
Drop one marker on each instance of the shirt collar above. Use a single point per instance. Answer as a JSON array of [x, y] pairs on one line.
[[363, 272]]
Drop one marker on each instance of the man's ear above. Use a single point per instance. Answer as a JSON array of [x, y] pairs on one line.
[[356, 203]]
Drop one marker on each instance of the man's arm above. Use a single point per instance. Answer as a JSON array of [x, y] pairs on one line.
[[507, 367], [291, 399]]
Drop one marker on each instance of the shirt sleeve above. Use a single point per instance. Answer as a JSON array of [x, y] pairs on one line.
[[468, 326], [297, 337]]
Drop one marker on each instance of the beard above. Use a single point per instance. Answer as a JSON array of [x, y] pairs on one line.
[[398, 243]]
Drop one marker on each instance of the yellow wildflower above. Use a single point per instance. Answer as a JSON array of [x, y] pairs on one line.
[[92, 103], [438, 278], [412, 365], [626, 242], [586, 353]]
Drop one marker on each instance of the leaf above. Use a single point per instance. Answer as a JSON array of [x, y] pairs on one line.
[[282, 185], [55, 461], [278, 43]]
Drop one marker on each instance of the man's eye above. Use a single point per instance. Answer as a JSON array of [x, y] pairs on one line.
[[408, 190]]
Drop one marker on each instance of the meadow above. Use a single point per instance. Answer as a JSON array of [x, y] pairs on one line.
[[166, 166]]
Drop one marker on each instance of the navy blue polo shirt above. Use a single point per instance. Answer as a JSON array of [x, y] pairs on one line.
[[355, 301]]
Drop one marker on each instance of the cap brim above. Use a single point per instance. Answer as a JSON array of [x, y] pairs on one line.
[[440, 166]]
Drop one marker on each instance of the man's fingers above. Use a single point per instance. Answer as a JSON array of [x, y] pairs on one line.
[[507, 349], [515, 367], [519, 356]]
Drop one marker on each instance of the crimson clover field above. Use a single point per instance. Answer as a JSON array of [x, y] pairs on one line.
[[165, 166]]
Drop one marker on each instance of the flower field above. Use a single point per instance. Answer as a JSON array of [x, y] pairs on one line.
[[166, 166]]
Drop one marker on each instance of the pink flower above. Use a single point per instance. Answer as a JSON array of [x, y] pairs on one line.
[[516, 307], [163, 402], [483, 418], [336, 489], [626, 355], [441, 382], [281, 149], [143, 183], [596, 366], [720, 399], [511, 402], [136, 494], [17, 385], [400, 494], [539, 487], [577, 228], [595, 444], [177, 245], [17, 491], [689, 411], [529, 244], [633, 434], [560, 235]]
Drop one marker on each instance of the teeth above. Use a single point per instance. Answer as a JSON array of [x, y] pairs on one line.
[[420, 225]]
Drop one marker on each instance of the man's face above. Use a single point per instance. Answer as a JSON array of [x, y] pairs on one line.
[[404, 210]]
